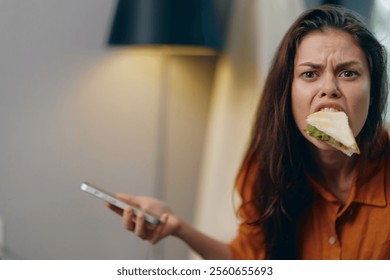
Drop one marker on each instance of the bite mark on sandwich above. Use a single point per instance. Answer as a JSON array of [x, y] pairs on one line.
[[331, 126]]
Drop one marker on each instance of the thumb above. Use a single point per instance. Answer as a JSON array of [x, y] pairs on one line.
[[129, 199]]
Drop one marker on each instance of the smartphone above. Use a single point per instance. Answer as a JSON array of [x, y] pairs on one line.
[[104, 195]]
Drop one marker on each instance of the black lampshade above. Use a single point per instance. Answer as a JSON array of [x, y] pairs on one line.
[[166, 22]]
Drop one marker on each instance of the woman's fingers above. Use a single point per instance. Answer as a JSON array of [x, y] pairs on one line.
[[128, 221], [137, 223], [140, 226]]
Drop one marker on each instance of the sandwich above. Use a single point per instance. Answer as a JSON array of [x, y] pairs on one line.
[[331, 126]]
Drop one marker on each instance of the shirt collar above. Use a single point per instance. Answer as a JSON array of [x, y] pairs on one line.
[[372, 192]]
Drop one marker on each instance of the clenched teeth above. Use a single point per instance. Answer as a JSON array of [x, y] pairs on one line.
[[329, 110]]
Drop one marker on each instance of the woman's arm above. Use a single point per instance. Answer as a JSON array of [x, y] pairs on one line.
[[207, 247]]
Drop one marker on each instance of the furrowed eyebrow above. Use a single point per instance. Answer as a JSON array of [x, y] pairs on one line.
[[347, 64], [311, 64], [338, 66]]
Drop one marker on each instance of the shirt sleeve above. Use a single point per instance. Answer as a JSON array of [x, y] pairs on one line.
[[249, 242]]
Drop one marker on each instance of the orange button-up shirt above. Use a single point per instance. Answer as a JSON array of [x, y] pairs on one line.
[[360, 229]]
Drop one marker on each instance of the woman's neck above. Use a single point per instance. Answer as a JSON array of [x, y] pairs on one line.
[[335, 171]]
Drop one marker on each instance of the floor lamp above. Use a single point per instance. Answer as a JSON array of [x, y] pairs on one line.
[[168, 27]]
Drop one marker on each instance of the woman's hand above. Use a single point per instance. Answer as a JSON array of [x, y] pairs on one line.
[[169, 223]]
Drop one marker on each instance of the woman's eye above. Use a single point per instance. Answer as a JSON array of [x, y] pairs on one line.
[[309, 75], [348, 74]]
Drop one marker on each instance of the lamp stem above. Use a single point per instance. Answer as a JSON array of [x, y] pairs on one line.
[[162, 139]]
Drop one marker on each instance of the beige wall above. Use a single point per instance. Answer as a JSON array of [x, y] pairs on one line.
[[73, 109]]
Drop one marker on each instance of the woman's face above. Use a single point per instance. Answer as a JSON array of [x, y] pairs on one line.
[[330, 71]]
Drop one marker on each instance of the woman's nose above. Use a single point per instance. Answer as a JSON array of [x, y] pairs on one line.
[[330, 88], [334, 94]]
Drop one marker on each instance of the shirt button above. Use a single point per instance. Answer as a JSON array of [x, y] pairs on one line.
[[332, 240]]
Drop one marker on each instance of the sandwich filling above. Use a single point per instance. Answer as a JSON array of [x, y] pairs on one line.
[[323, 137]]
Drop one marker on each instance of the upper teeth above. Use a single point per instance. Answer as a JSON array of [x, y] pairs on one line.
[[329, 110]]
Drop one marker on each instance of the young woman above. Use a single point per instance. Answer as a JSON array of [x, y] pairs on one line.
[[303, 199]]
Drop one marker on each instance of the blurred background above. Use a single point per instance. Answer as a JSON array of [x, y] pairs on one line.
[[158, 122]]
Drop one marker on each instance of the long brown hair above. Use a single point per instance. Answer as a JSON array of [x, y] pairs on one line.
[[277, 150]]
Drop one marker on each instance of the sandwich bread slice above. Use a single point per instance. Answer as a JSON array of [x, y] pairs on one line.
[[331, 126]]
